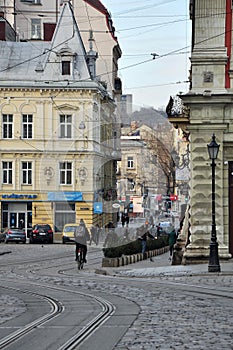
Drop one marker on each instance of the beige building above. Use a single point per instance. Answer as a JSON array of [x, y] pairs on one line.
[[208, 111], [58, 144]]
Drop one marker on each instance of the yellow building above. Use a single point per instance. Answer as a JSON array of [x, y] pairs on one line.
[[58, 144]]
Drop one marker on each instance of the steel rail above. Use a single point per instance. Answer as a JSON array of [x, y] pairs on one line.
[[56, 309], [108, 310]]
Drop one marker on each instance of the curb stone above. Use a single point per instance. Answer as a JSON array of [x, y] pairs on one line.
[[131, 259]]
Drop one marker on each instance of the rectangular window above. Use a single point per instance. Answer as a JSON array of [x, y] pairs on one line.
[[130, 163], [27, 173], [7, 126], [65, 67], [65, 173], [65, 126], [27, 126], [36, 28], [7, 173]]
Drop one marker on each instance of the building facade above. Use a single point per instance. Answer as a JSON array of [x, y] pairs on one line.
[[209, 110], [58, 132]]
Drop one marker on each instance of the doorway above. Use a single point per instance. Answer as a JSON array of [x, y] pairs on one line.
[[17, 215], [17, 220]]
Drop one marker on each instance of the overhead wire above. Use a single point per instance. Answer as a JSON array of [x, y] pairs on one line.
[[126, 67], [26, 141]]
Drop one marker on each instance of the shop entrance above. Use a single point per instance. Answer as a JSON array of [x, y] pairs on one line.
[[17, 220], [17, 215]]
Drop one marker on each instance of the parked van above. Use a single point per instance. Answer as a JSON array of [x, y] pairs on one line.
[[68, 232]]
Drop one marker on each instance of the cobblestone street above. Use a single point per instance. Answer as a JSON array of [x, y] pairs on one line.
[[181, 307]]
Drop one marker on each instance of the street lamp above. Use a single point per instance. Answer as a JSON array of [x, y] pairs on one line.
[[214, 266]]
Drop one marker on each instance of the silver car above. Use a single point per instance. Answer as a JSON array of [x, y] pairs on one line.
[[14, 234]]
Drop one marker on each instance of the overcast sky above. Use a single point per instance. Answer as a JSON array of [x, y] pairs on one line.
[[152, 26]]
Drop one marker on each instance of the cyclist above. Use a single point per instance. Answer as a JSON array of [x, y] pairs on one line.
[[81, 236]]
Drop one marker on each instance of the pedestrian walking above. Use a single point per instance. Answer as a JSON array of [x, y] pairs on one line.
[[159, 229], [123, 219], [153, 231], [144, 235], [94, 234], [97, 234], [171, 241]]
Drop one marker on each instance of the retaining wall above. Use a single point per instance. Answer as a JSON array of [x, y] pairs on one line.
[[131, 259]]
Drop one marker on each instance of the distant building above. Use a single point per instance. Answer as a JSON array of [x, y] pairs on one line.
[[125, 108], [144, 172]]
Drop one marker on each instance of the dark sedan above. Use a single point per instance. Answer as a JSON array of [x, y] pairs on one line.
[[41, 233], [14, 234]]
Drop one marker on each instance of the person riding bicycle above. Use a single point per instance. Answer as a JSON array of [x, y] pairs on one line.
[[81, 236]]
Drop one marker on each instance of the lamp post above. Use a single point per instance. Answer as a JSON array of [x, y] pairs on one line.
[[214, 266]]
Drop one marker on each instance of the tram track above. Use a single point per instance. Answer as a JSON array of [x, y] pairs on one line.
[[192, 289], [57, 308]]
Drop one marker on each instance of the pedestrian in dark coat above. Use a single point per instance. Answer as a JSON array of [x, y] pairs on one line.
[[171, 242], [127, 220], [123, 219], [144, 235]]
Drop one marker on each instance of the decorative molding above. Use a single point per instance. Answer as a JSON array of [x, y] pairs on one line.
[[49, 174]]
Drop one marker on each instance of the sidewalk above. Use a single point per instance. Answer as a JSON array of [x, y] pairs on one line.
[[161, 266]]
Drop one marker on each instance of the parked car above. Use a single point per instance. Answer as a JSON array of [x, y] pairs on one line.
[[41, 233], [68, 232], [13, 234]]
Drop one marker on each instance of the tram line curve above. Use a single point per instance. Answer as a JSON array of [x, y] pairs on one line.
[[57, 308]]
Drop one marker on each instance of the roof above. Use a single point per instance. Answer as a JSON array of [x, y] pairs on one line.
[[40, 61], [97, 4]]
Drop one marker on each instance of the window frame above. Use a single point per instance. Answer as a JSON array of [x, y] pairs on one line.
[[130, 162], [34, 28], [7, 126], [7, 172], [65, 67], [65, 126], [26, 173], [27, 126], [66, 173]]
